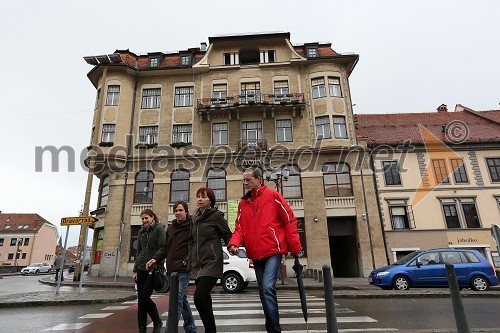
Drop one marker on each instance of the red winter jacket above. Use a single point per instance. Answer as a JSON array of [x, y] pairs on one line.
[[265, 225]]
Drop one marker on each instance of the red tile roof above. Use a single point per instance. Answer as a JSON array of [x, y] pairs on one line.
[[450, 127], [14, 223]]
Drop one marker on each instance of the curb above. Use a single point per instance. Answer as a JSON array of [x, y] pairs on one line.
[[115, 285], [66, 302]]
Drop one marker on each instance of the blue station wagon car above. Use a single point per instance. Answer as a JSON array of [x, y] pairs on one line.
[[427, 269]]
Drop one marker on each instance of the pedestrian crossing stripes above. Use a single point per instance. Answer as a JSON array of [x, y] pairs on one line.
[[242, 313]]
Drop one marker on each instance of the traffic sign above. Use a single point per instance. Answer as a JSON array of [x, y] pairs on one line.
[[80, 220]]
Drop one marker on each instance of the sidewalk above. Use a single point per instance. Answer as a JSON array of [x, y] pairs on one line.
[[107, 290]]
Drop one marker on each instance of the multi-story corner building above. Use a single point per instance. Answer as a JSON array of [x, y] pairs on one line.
[[438, 178], [26, 239], [167, 124]]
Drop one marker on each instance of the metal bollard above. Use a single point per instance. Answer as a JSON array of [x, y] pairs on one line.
[[331, 316], [456, 300], [173, 304], [315, 274], [320, 276]]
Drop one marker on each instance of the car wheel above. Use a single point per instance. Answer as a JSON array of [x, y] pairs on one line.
[[231, 283], [37, 271], [401, 283], [479, 283]]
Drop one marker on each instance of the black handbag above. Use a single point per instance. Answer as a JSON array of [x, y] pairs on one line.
[[161, 283]]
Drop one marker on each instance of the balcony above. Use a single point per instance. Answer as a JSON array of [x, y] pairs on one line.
[[135, 218], [250, 103], [252, 144], [340, 206], [297, 206]]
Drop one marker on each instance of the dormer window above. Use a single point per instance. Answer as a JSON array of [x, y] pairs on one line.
[[154, 62], [312, 52], [249, 56], [267, 56], [185, 60], [231, 58]]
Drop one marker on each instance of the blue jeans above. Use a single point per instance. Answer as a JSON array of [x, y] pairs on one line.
[[266, 271], [184, 308]]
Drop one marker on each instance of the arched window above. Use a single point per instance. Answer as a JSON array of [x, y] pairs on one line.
[[179, 186], [337, 180], [103, 192], [144, 187], [217, 182], [292, 188]]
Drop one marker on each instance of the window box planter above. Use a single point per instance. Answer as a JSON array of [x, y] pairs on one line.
[[146, 145], [180, 144]]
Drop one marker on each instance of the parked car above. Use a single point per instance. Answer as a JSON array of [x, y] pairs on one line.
[[71, 267], [427, 269], [238, 271], [37, 268]]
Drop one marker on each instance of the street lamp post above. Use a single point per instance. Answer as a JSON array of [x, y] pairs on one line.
[[19, 243], [278, 176]]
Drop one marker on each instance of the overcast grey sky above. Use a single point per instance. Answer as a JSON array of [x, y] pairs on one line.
[[414, 55]]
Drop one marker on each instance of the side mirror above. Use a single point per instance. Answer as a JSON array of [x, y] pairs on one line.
[[419, 263]]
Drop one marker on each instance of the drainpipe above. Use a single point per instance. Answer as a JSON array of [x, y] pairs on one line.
[[127, 165]]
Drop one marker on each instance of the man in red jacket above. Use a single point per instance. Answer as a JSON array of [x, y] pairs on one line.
[[267, 227]]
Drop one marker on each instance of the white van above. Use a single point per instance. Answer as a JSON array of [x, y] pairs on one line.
[[238, 271]]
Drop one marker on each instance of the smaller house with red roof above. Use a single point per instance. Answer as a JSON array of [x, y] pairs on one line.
[[437, 177], [26, 239]]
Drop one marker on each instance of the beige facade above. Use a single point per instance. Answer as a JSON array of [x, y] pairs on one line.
[[434, 191], [26, 239], [248, 100]]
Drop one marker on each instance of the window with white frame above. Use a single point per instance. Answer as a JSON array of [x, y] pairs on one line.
[[391, 173], [103, 192], [494, 168], [231, 58], [334, 85], [323, 127], [284, 130], [281, 90], [148, 135], [183, 96], [318, 87], [459, 172], [216, 180], [182, 133], [179, 186], [143, 187], [154, 62], [220, 92], [251, 133], [113, 95], [399, 217], [339, 127], [219, 134], [267, 56], [151, 98], [108, 133], [451, 215]]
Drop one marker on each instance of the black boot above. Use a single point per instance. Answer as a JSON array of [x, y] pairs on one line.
[[157, 322], [142, 320]]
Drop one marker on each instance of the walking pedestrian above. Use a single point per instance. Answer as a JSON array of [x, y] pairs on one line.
[[59, 266], [150, 239], [176, 253], [266, 225], [205, 253]]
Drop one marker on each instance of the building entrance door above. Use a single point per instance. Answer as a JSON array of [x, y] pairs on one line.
[[343, 249]]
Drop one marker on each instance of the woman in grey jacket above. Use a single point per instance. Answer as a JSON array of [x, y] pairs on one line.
[[205, 253], [150, 238]]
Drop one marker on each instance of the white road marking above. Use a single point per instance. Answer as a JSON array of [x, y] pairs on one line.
[[68, 326], [95, 315]]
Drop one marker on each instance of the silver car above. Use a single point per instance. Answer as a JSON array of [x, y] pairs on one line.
[[37, 268]]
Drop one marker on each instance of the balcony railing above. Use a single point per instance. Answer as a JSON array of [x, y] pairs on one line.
[[339, 202], [252, 144], [138, 208], [250, 99]]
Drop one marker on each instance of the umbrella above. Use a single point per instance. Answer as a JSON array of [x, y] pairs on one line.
[[298, 268]]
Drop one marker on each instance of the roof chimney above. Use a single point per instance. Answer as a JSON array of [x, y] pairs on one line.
[[203, 46], [442, 108]]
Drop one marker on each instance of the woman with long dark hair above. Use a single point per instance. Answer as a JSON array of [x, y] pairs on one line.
[[150, 238], [205, 253]]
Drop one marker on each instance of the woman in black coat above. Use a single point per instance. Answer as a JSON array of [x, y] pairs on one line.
[[150, 238], [205, 253]]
